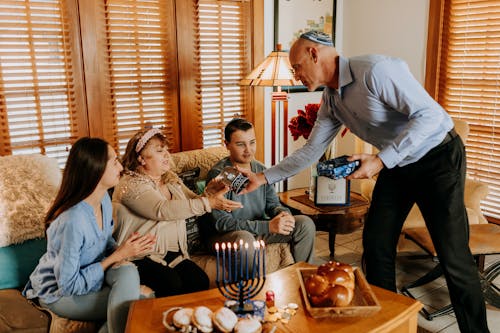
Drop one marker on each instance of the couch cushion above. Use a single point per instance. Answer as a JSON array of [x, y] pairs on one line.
[[190, 178], [194, 240], [17, 261], [205, 159], [28, 184], [18, 314]]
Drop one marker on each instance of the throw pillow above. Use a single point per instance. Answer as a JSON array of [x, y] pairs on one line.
[[195, 243], [189, 178], [17, 261], [28, 185]]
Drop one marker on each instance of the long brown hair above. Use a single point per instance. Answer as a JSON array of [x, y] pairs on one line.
[[84, 169]]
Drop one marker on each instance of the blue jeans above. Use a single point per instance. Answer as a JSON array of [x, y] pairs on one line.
[[111, 302]]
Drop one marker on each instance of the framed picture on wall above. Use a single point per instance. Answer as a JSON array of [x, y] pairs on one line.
[[294, 17]]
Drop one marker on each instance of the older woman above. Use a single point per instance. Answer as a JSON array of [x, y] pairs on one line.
[[151, 199]]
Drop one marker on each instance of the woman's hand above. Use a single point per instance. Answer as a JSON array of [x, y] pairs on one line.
[[214, 186], [218, 201], [135, 245]]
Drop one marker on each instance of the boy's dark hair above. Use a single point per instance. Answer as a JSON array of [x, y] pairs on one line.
[[235, 125]]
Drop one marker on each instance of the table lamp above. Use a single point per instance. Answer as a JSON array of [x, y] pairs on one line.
[[275, 71]]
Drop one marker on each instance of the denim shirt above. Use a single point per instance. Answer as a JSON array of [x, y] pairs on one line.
[[381, 102], [75, 248]]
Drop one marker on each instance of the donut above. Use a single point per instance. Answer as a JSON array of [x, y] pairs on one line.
[[224, 320], [248, 325], [202, 319], [182, 317]]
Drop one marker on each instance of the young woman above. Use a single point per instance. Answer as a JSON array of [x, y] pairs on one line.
[[150, 198], [77, 277]]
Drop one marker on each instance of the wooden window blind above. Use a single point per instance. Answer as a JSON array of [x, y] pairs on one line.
[[142, 60], [223, 53], [466, 81], [40, 104]]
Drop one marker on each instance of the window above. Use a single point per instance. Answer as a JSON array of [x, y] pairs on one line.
[[465, 79], [223, 57], [70, 68], [140, 43], [40, 110]]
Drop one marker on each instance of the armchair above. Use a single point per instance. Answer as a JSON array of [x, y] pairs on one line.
[[474, 192]]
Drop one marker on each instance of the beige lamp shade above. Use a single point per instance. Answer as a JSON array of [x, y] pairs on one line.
[[274, 71]]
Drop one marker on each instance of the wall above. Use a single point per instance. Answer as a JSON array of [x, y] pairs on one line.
[[391, 27]]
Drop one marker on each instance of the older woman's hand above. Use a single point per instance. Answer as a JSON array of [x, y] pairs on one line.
[[218, 201], [214, 186]]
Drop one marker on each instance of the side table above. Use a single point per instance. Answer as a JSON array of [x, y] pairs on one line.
[[337, 219]]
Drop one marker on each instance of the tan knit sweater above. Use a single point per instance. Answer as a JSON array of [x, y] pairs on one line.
[[139, 205]]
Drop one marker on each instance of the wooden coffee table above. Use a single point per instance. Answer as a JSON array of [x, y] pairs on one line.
[[337, 219], [398, 313]]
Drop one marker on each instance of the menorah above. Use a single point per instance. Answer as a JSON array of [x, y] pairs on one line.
[[237, 283]]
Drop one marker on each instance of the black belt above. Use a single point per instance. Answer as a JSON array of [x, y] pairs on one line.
[[452, 134]]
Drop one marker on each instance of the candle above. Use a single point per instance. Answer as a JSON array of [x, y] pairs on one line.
[[246, 260], [258, 259], [229, 260], [217, 266], [255, 254], [235, 247], [223, 246], [241, 259], [263, 256]]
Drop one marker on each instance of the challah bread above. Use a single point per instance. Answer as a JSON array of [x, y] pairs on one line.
[[332, 285]]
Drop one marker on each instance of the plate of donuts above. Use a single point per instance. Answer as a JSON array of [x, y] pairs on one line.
[[201, 319], [336, 289]]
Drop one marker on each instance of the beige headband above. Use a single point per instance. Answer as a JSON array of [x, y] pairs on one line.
[[146, 137]]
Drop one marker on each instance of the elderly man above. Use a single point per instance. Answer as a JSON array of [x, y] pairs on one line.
[[421, 160]]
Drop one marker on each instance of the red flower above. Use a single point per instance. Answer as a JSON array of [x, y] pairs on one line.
[[302, 123]]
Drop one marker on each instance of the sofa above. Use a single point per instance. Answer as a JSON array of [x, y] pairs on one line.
[[28, 184]]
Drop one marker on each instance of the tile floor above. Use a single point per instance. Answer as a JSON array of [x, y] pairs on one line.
[[348, 248]]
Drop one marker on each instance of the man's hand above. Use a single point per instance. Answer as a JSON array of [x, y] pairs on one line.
[[255, 180], [370, 165], [283, 223]]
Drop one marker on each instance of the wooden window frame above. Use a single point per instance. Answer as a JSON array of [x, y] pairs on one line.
[[433, 76]]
